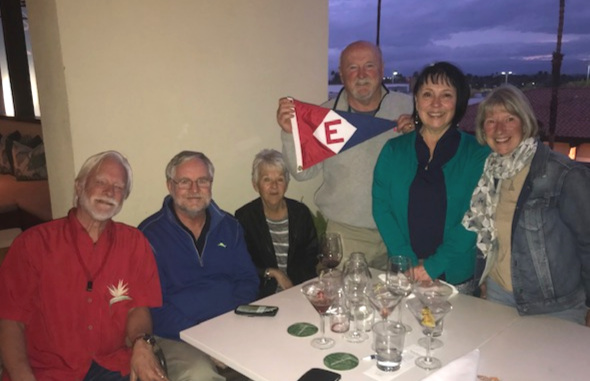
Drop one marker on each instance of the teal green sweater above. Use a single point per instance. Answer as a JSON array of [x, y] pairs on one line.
[[394, 172]]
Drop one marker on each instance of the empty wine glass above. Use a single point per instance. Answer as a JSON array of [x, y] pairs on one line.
[[330, 250], [382, 299], [432, 291], [321, 295], [332, 276], [339, 315], [355, 277], [428, 316], [400, 281]]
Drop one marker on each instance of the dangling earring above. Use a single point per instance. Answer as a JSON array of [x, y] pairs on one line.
[[416, 120]]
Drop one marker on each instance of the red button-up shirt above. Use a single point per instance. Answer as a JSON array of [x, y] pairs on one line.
[[43, 284]]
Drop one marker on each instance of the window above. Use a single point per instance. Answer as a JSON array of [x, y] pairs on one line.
[[18, 96]]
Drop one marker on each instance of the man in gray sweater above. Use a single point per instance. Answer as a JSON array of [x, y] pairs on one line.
[[344, 197]]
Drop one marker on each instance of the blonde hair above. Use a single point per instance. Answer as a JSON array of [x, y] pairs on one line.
[[515, 103]]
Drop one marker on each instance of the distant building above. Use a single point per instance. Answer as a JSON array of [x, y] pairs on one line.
[[333, 90], [399, 87], [572, 130], [573, 113]]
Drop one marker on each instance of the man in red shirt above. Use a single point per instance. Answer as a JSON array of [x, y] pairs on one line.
[[75, 292]]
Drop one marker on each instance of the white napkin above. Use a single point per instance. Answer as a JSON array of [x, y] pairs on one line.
[[455, 291], [462, 369]]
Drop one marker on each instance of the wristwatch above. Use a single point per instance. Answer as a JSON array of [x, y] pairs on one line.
[[267, 274], [150, 339]]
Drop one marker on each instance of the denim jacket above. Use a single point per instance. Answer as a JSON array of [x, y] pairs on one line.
[[550, 260]]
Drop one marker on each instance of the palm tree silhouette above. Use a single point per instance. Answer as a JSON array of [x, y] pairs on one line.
[[556, 74], [378, 21]]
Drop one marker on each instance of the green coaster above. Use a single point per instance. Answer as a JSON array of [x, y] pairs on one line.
[[302, 329], [341, 361]]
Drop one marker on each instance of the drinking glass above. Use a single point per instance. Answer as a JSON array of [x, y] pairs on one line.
[[330, 250], [321, 295], [339, 315], [428, 316], [400, 281], [332, 276], [432, 292], [389, 345], [434, 342], [363, 314], [381, 298], [355, 277]]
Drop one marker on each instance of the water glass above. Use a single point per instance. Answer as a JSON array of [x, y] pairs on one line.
[[339, 315], [388, 340]]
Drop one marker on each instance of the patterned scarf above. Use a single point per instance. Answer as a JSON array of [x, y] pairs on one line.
[[482, 211]]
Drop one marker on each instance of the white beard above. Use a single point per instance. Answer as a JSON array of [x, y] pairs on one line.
[[87, 204]]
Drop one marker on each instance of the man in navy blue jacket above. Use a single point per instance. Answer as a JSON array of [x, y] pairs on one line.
[[204, 265]]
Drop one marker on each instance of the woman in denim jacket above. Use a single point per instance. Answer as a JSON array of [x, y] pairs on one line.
[[531, 212]]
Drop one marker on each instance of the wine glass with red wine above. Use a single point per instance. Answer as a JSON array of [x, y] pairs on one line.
[[321, 295], [330, 250]]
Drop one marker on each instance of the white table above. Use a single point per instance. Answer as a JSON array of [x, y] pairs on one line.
[[512, 347], [538, 348]]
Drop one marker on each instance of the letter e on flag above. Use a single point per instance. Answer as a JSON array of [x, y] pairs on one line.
[[335, 132]]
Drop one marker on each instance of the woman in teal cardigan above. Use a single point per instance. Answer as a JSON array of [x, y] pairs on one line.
[[423, 182]]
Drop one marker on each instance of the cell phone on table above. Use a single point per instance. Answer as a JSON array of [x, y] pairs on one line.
[[256, 310], [317, 374]]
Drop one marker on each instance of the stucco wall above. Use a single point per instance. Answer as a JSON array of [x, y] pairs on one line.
[[152, 77]]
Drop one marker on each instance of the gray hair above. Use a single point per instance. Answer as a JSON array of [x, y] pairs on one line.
[[271, 158], [94, 162], [515, 102], [183, 157]]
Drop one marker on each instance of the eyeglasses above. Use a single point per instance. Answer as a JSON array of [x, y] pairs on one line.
[[184, 183]]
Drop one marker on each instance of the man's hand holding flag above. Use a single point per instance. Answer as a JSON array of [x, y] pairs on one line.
[[320, 133]]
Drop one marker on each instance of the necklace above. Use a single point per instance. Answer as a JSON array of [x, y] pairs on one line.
[[91, 276]]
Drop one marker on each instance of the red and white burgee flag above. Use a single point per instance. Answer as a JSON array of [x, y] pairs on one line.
[[320, 133]]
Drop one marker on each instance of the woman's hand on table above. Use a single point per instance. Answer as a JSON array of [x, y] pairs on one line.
[[420, 274]]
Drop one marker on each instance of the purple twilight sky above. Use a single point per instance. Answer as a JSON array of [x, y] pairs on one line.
[[481, 36]]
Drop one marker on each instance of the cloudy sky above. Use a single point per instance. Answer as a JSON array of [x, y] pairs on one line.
[[481, 36]]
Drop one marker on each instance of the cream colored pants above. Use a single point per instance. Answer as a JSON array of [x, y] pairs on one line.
[[367, 241], [187, 363]]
